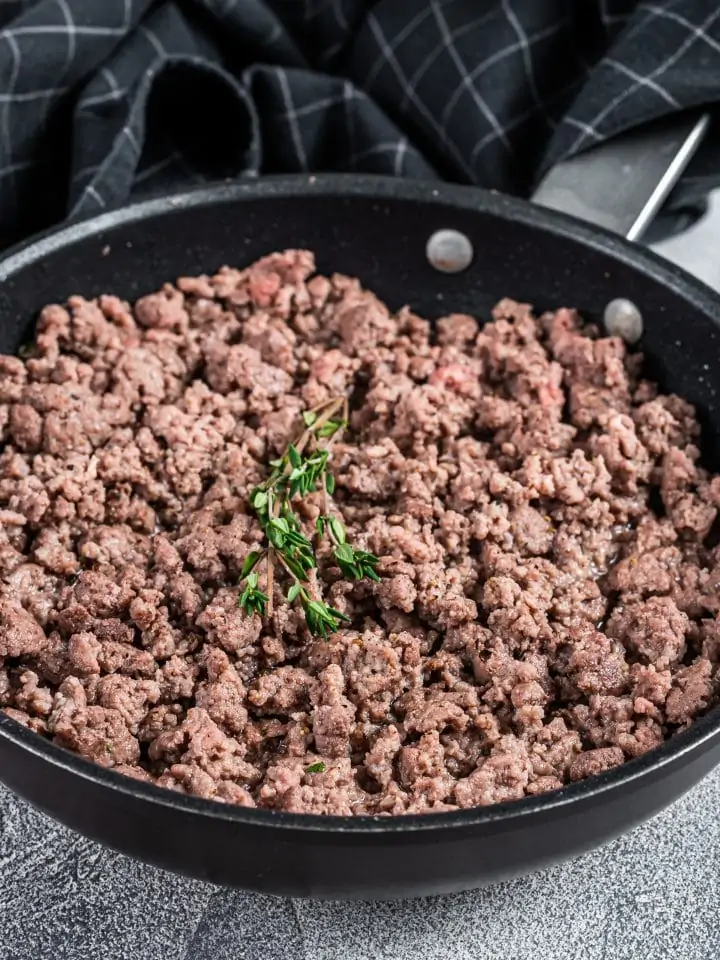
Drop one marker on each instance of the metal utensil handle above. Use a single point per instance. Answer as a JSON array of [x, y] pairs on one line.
[[622, 183]]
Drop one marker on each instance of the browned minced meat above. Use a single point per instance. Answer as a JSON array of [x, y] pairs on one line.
[[548, 606]]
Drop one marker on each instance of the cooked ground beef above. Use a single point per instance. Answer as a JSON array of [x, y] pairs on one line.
[[548, 605]]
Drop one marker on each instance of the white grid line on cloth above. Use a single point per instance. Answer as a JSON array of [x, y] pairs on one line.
[[400, 157], [53, 31], [477, 71], [153, 40], [430, 59], [323, 103], [104, 98], [643, 81], [340, 17], [388, 47], [527, 60], [125, 133], [131, 138], [31, 95], [110, 78], [392, 62], [157, 167], [587, 130], [348, 98], [478, 100], [330, 52], [127, 15], [291, 115], [85, 172], [393, 145], [672, 15], [14, 168], [694, 33], [90, 189], [496, 58], [275, 34], [519, 119], [609, 19], [403, 34], [70, 33], [603, 11], [116, 92], [5, 123]]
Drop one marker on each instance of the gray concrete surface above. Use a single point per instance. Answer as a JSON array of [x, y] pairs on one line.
[[698, 249], [653, 894]]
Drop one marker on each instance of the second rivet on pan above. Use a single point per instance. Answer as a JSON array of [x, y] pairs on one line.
[[623, 319], [449, 251]]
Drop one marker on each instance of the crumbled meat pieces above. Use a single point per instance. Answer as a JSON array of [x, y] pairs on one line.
[[537, 620], [20, 633], [654, 629]]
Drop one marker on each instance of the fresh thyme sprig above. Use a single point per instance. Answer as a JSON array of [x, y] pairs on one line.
[[354, 564], [303, 469], [252, 598]]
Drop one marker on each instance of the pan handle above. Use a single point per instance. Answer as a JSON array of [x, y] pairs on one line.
[[622, 183]]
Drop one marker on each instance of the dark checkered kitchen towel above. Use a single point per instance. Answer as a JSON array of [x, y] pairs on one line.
[[101, 100]]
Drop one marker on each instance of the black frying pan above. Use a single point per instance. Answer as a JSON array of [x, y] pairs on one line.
[[376, 229]]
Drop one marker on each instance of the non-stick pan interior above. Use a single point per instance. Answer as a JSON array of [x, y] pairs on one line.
[[377, 230]]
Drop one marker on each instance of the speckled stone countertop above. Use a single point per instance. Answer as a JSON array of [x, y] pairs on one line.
[[651, 895]]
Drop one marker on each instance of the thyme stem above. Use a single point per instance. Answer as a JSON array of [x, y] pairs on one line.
[[301, 470]]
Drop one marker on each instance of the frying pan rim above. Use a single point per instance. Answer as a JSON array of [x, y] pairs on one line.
[[373, 188]]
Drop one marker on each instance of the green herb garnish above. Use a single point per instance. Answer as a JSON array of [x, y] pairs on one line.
[[252, 599], [302, 469], [318, 767]]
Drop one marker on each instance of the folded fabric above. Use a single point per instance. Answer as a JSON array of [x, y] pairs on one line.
[[103, 100]]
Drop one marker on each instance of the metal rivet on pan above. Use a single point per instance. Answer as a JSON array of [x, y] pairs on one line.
[[623, 319], [449, 251]]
